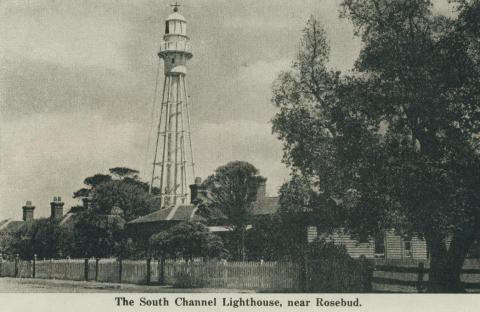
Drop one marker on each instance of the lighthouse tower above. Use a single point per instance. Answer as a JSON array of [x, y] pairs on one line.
[[173, 163]]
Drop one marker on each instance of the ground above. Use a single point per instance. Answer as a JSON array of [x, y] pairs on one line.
[[28, 285]]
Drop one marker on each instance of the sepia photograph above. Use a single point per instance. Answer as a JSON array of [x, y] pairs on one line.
[[241, 147]]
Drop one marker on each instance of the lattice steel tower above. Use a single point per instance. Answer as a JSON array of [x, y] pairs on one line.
[[173, 161]]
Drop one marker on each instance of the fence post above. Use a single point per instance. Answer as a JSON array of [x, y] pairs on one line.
[[86, 268], [34, 264], [421, 273], [225, 273], [303, 273], [161, 277], [149, 263], [16, 265], [96, 269], [120, 269]]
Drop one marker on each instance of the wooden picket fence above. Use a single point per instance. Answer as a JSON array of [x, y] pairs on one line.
[[179, 273], [411, 276], [236, 275], [319, 276]]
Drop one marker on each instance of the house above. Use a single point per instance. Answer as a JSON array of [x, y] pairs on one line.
[[11, 226], [389, 246], [164, 218]]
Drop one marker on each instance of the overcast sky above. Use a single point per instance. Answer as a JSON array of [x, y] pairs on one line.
[[77, 80]]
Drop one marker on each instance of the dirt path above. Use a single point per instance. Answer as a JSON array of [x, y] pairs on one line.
[[28, 285]]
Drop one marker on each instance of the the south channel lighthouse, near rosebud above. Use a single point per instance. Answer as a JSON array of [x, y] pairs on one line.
[[173, 165]]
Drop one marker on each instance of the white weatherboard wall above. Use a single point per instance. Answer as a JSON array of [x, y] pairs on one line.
[[394, 245]]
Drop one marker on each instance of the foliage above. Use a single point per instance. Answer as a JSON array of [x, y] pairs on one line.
[[395, 141], [263, 241], [132, 198], [232, 189], [125, 191], [331, 269], [187, 240], [97, 235], [123, 172], [41, 237], [6, 240]]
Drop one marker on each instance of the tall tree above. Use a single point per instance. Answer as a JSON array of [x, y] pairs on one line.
[[398, 139], [232, 190], [100, 230]]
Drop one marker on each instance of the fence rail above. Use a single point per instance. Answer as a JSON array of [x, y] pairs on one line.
[[317, 276], [411, 276]]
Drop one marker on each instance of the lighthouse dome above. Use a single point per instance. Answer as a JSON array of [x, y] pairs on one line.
[[175, 16]]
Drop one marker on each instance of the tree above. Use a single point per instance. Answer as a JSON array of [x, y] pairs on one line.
[[396, 140], [100, 230], [133, 199], [263, 241], [98, 235], [123, 172], [187, 240], [126, 192], [41, 237], [232, 190]]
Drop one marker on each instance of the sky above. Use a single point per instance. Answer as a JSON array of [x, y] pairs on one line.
[[77, 83]]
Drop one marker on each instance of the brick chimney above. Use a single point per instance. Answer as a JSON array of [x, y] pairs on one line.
[[86, 203], [262, 190], [195, 189], [28, 211], [56, 208]]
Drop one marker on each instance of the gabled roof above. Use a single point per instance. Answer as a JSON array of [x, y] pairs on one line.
[[173, 213]]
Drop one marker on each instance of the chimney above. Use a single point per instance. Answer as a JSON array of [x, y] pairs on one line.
[[56, 208], [194, 189], [28, 211], [86, 203], [262, 190]]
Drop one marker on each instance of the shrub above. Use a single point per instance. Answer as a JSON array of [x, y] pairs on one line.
[[329, 268]]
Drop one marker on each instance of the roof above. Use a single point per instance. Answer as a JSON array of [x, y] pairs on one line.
[[69, 220], [265, 206], [10, 225], [3, 222], [173, 213], [176, 16]]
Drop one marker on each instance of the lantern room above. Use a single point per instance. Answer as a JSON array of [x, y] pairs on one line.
[[175, 24]]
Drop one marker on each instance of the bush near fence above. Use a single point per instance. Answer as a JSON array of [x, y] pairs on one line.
[[411, 276], [339, 275]]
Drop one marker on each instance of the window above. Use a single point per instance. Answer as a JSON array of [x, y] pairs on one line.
[[379, 246], [173, 60], [166, 28], [407, 247]]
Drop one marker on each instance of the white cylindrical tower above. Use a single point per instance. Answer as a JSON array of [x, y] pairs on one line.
[[173, 163]]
